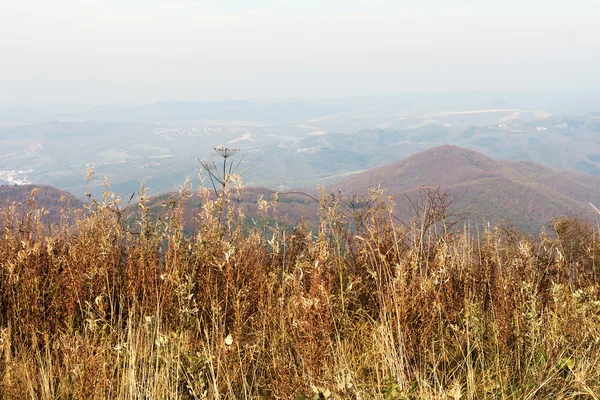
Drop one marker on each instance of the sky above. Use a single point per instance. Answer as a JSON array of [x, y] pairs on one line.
[[142, 51]]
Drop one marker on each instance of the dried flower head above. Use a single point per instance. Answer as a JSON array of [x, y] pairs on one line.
[[225, 152]]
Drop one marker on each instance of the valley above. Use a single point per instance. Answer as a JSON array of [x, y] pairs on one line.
[[284, 145]]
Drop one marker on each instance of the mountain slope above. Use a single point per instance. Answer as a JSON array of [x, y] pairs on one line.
[[523, 194], [49, 198]]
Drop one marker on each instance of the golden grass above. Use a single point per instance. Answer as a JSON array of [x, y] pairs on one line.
[[100, 308]]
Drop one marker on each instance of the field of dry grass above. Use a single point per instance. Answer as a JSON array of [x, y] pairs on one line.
[[363, 307]]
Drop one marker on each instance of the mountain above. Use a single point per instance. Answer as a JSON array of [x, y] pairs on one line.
[[523, 194], [287, 144], [47, 197], [291, 209]]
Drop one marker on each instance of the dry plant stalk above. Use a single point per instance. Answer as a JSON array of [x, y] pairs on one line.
[[100, 306]]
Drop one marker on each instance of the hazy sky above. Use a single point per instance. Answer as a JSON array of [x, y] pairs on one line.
[[140, 51]]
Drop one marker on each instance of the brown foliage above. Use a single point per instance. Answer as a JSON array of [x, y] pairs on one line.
[[95, 306]]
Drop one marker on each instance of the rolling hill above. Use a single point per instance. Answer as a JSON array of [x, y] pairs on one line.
[[47, 197], [518, 193], [522, 193]]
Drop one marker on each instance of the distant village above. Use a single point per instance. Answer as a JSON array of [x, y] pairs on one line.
[[15, 177]]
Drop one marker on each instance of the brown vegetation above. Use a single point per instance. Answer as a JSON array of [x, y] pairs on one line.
[[364, 307], [51, 201]]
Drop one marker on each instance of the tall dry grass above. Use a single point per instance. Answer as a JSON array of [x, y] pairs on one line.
[[99, 306]]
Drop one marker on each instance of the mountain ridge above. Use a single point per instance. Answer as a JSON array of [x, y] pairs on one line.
[[519, 193], [46, 197], [523, 193]]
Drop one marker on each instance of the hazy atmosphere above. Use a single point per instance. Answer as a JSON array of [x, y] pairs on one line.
[[308, 199], [130, 51]]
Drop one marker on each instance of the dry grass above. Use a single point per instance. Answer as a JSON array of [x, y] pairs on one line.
[[365, 307]]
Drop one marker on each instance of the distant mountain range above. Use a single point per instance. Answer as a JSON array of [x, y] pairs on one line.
[[175, 111], [519, 193], [285, 144]]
